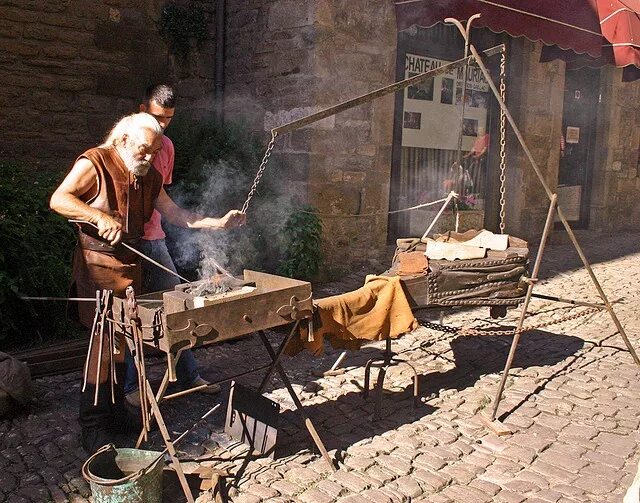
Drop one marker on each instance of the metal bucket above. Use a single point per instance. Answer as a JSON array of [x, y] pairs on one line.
[[124, 475]]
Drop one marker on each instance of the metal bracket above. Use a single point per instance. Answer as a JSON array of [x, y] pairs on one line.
[[193, 330], [296, 309]]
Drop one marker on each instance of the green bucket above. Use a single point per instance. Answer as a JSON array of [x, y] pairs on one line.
[[124, 475]]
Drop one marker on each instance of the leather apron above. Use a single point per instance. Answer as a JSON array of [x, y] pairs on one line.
[[96, 264]]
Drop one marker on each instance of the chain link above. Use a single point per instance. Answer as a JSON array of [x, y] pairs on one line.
[[503, 138], [501, 332], [261, 169]]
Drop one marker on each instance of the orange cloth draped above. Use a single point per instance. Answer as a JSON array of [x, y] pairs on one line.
[[376, 311]]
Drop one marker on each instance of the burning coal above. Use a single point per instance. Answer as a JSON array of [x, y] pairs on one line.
[[217, 284]]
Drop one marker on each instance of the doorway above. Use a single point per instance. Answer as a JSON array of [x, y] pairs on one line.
[[577, 144]]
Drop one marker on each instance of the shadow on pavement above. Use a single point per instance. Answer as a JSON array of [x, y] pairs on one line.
[[479, 355]]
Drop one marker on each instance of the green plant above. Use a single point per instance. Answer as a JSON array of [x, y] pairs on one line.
[[180, 24], [35, 256], [303, 237]]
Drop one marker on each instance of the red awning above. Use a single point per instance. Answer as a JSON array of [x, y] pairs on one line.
[[582, 32]]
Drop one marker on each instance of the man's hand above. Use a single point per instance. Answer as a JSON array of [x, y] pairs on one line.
[[233, 218], [109, 229]]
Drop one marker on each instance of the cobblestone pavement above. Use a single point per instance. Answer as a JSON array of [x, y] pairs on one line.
[[571, 403]]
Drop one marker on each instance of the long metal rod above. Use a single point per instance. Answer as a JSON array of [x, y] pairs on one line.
[[184, 433], [275, 359], [568, 301], [383, 91], [464, 89], [534, 277], [435, 219], [137, 252], [168, 443]]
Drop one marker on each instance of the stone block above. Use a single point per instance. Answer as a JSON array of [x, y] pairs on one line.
[[351, 481], [286, 14], [466, 494], [314, 496]]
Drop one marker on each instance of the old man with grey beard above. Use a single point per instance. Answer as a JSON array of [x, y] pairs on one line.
[[115, 188]]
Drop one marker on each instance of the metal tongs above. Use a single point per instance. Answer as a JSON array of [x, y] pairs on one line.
[[137, 252]]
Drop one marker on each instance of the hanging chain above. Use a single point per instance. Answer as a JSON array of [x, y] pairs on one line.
[[261, 169], [503, 138], [506, 331]]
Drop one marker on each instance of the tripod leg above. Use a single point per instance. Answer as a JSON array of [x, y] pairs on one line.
[[525, 305]]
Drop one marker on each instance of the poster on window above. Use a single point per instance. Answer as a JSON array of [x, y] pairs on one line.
[[431, 116]]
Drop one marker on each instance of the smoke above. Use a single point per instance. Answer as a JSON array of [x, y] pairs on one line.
[[257, 245]]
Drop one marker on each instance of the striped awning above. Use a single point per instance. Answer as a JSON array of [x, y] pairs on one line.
[[581, 32]]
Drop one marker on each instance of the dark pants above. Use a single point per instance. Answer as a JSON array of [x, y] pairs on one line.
[[155, 279], [101, 422]]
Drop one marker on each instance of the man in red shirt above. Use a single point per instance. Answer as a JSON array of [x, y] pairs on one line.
[[160, 101]]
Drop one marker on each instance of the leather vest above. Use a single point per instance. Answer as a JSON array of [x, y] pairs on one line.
[[129, 201], [96, 264]]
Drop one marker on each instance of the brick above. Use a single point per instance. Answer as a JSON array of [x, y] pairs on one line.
[[433, 481], [604, 458], [563, 460], [331, 488], [595, 485], [314, 496], [351, 481], [246, 498], [353, 498], [375, 496], [519, 453], [549, 495], [507, 496], [394, 465], [380, 475], [530, 440], [529, 475], [302, 476], [485, 486], [428, 460], [285, 487], [408, 486], [466, 494], [552, 472], [459, 473]]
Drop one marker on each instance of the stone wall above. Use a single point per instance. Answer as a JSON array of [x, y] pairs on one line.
[[536, 100], [70, 68], [616, 184], [535, 93], [291, 58]]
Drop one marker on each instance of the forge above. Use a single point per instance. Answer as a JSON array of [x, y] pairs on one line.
[[193, 314]]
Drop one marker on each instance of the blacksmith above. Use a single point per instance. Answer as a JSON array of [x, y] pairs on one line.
[[115, 187], [160, 101]]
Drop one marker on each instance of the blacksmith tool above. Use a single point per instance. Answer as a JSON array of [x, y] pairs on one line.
[[138, 357], [138, 252]]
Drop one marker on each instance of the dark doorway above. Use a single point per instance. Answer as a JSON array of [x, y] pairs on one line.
[[577, 144]]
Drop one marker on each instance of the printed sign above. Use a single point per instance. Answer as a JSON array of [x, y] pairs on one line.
[[431, 116], [573, 134]]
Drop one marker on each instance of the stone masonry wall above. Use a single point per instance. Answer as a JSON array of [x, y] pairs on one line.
[[291, 58], [616, 184], [70, 68], [535, 93]]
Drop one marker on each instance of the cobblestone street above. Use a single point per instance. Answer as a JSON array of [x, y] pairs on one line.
[[572, 403]]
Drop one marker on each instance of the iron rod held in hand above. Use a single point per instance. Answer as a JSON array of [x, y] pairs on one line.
[[137, 252]]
